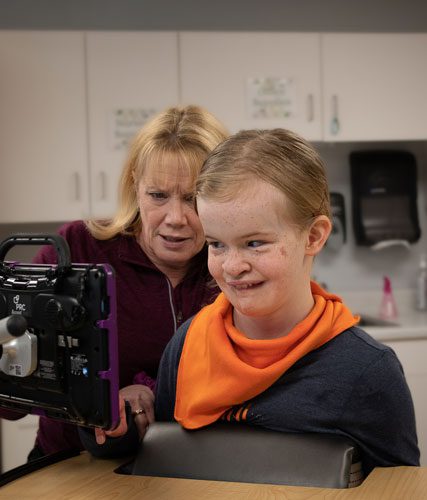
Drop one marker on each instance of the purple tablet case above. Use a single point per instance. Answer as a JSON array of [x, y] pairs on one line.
[[65, 365]]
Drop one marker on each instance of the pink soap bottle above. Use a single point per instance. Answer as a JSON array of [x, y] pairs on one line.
[[388, 309]]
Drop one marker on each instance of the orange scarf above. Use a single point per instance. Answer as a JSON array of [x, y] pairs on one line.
[[220, 367]]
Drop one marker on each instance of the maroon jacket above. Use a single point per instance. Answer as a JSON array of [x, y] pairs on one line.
[[148, 311]]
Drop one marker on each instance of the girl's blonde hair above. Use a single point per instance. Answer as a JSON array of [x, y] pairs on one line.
[[188, 134], [279, 157]]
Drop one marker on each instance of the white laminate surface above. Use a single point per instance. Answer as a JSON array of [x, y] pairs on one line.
[[410, 323]]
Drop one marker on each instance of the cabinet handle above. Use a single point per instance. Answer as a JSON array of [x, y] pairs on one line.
[[310, 107], [102, 185], [335, 123], [76, 186]]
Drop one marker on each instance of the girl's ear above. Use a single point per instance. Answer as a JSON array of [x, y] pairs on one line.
[[317, 235]]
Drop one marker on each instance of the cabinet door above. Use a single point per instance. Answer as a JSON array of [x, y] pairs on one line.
[[131, 76], [43, 149], [374, 86], [413, 354], [17, 440], [254, 80]]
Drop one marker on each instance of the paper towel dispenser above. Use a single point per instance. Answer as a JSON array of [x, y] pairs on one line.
[[384, 197]]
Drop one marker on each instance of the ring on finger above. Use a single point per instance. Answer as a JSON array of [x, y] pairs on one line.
[[138, 412]]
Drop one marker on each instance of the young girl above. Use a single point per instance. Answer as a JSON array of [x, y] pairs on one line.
[[275, 350]]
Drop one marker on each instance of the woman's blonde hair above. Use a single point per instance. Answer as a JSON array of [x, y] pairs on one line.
[[188, 134], [279, 157]]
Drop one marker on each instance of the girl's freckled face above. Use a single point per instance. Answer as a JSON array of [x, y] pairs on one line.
[[256, 254]]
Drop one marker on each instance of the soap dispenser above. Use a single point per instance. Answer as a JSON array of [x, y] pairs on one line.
[[388, 309]]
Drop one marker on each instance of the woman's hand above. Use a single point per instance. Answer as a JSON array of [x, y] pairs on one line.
[[141, 400]]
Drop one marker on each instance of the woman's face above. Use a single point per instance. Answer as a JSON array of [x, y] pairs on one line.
[[257, 257], [171, 232]]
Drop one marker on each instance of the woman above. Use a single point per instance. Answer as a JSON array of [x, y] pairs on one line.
[[275, 350], [155, 244]]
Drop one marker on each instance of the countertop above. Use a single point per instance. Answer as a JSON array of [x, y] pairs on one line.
[[410, 323]]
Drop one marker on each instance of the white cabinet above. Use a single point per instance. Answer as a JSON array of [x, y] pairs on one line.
[[131, 76], [241, 77], [69, 103], [43, 139], [413, 355], [342, 87], [17, 440], [374, 86]]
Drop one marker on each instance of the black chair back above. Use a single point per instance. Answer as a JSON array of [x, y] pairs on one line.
[[241, 453]]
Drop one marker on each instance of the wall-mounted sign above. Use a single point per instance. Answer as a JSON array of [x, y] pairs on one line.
[[125, 123], [270, 97]]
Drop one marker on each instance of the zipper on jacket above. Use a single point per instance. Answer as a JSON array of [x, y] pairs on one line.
[[171, 304]]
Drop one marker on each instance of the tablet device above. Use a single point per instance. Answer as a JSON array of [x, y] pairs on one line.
[[58, 337]]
